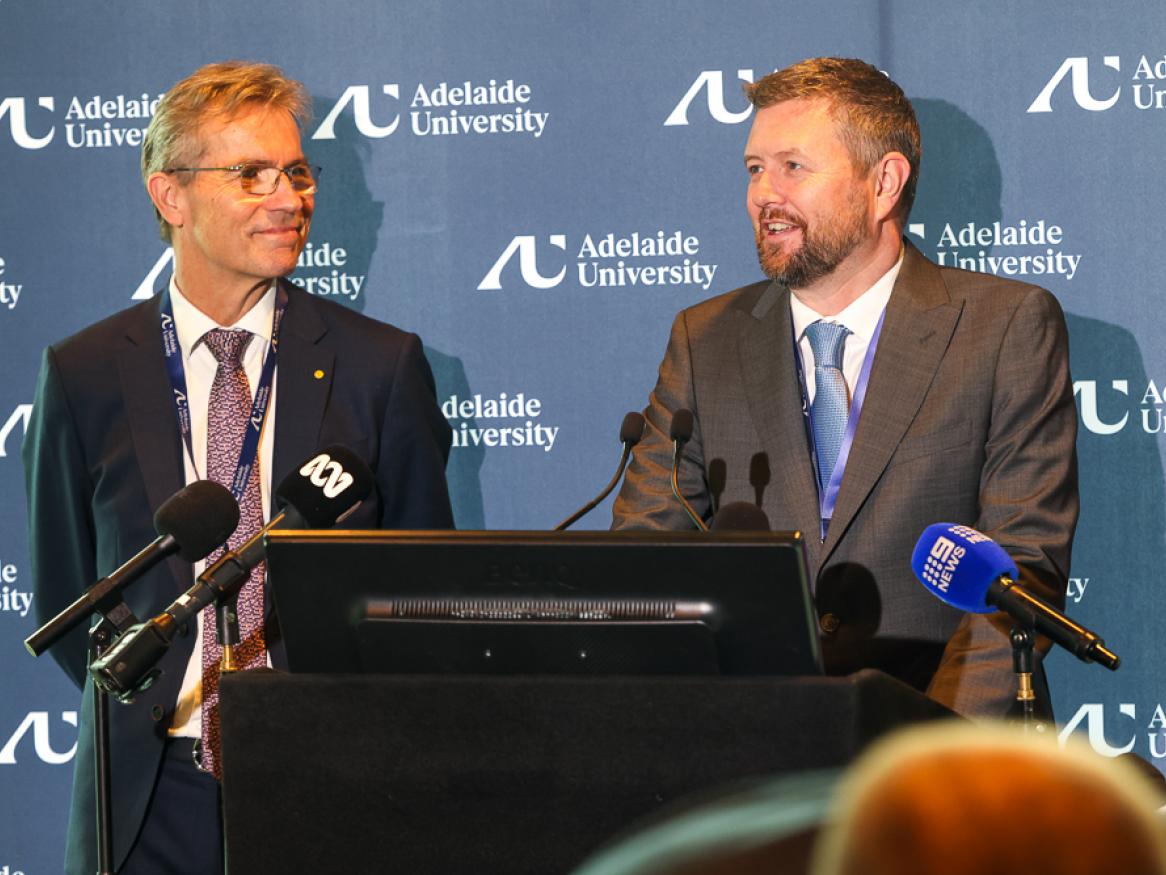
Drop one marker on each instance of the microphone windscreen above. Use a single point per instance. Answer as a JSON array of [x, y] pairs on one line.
[[958, 564], [326, 486], [632, 428], [200, 517], [741, 516], [682, 425]]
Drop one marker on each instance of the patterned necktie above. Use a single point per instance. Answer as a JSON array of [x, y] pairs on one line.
[[228, 416], [831, 406]]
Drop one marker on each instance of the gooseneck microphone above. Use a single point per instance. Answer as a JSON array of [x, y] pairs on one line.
[[970, 571], [321, 492], [192, 522], [630, 432], [681, 433]]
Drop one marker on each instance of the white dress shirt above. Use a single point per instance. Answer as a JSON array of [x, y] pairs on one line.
[[861, 317], [200, 365]]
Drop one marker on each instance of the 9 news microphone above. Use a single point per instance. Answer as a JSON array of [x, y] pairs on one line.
[[970, 571], [323, 491], [192, 522], [630, 432], [681, 433]]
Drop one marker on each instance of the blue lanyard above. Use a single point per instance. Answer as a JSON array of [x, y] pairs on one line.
[[172, 353], [827, 500]]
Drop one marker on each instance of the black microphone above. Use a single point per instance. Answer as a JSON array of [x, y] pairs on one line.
[[681, 433], [323, 491], [630, 432], [192, 522], [740, 516]]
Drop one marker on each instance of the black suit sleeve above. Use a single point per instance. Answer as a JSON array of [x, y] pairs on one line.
[[60, 524]]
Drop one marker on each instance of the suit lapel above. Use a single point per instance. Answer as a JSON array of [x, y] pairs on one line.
[[151, 416], [919, 323], [304, 381], [771, 387]]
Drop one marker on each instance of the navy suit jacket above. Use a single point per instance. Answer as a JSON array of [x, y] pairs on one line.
[[103, 451]]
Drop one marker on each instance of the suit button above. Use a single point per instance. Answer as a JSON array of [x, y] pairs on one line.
[[157, 713], [184, 630], [829, 623]]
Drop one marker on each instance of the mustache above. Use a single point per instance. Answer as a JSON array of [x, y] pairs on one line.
[[775, 214]]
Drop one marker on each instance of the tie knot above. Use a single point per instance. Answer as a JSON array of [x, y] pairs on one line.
[[227, 344], [827, 340]]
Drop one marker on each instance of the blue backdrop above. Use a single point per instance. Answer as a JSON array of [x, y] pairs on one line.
[[536, 188]]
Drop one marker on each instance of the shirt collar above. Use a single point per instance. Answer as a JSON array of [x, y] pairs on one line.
[[861, 316], [191, 323]]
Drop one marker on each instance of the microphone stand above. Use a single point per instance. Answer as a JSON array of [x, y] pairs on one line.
[[113, 622], [1023, 638]]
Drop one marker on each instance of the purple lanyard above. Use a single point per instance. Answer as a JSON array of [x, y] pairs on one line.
[[827, 500], [172, 353]]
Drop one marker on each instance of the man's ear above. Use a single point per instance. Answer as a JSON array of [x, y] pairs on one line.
[[167, 195], [890, 179]]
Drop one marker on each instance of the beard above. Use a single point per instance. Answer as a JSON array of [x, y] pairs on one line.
[[822, 250]]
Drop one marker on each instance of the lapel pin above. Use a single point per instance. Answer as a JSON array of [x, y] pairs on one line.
[[319, 375]]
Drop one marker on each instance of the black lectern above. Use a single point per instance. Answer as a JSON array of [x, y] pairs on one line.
[[494, 774]]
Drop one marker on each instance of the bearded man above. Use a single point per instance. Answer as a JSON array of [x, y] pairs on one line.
[[881, 392]]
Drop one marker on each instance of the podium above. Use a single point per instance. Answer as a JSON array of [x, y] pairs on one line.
[[449, 774]]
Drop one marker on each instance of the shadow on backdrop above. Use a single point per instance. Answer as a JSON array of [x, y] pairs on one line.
[[347, 221], [1123, 498], [464, 470]]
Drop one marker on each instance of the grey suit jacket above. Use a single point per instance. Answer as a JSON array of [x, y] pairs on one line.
[[968, 418]]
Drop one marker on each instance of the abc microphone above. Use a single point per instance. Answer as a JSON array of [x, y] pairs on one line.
[[970, 571], [192, 522], [323, 491], [630, 432], [681, 433]]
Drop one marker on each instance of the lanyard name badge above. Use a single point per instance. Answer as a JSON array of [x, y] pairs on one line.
[[172, 354], [827, 499]]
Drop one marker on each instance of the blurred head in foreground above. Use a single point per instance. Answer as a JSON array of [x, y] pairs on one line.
[[988, 800]]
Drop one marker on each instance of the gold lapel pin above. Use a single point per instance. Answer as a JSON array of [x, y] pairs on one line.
[[319, 375]]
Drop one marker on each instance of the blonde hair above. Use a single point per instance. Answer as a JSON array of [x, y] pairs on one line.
[[215, 90]]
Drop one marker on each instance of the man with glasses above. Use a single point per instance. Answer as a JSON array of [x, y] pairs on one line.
[[130, 409]]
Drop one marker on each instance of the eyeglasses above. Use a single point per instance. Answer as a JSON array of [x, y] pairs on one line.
[[263, 179]]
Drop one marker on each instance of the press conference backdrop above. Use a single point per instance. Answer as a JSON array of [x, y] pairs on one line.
[[536, 188]]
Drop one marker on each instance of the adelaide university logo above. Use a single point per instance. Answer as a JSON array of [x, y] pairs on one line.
[[1087, 82], [358, 97], [606, 260], [1091, 719], [711, 83], [1077, 71], [526, 247], [15, 110]]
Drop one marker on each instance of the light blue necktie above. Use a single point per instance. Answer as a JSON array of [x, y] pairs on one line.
[[831, 405]]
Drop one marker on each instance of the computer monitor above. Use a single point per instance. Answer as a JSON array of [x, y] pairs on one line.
[[640, 603]]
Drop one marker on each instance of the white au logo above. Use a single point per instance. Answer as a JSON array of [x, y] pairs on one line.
[[14, 108], [38, 723], [1086, 391], [1092, 715], [1078, 71], [712, 82], [527, 249], [358, 96], [146, 287], [328, 474], [19, 417]]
